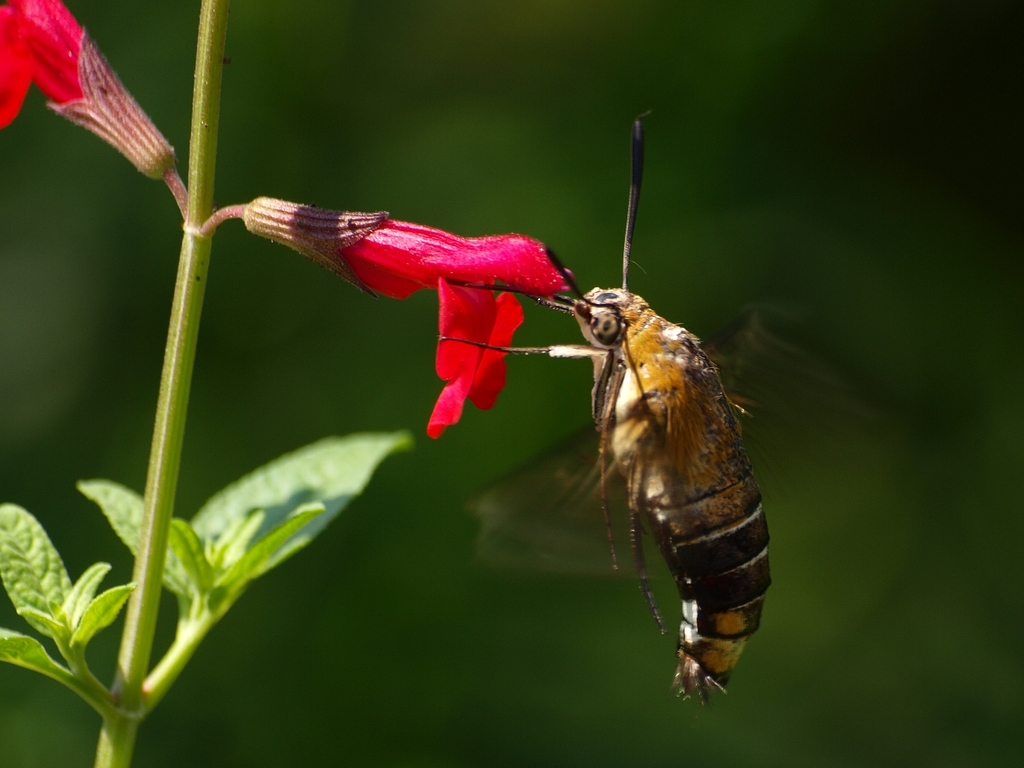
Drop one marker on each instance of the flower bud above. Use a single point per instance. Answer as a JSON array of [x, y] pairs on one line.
[[316, 233]]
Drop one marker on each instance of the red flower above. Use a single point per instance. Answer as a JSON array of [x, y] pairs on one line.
[[397, 258], [40, 41], [471, 372], [15, 66], [400, 258]]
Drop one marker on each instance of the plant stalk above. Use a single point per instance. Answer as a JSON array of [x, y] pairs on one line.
[[117, 737], [171, 665]]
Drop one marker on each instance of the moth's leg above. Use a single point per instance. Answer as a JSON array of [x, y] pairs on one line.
[[556, 350], [606, 392], [636, 531]]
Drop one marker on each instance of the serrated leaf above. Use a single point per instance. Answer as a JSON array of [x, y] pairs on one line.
[[235, 540], [25, 651], [260, 557], [101, 613], [83, 591], [331, 471], [32, 571], [123, 509], [189, 549], [44, 623]]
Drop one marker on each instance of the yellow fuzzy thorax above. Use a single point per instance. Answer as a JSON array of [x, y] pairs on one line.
[[676, 395]]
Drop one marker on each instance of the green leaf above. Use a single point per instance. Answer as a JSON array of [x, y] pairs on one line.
[[278, 553], [263, 554], [43, 622], [331, 471], [25, 651], [235, 539], [189, 549], [121, 506], [123, 509], [82, 593], [32, 571], [101, 613], [286, 550]]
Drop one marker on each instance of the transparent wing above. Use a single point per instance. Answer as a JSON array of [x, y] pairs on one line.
[[547, 514], [789, 398]]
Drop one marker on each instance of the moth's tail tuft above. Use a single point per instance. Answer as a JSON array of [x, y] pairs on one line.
[[692, 678]]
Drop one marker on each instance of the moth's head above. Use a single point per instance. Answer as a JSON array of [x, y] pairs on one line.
[[605, 313]]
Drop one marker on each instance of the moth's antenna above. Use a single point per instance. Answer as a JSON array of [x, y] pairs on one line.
[[634, 194]]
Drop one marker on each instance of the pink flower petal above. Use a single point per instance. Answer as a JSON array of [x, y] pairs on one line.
[[15, 66], [490, 373], [465, 313], [448, 408], [400, 257], [55, 39]]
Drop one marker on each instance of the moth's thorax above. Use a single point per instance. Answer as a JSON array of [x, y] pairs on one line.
[[670, 415]]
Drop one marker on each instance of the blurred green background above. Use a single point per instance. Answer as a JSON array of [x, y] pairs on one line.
[[857, 162]]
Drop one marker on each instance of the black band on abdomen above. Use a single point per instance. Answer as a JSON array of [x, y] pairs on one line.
[[724, 550], [732, 588]]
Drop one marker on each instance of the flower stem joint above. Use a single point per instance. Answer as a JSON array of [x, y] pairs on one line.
[[397, 258], [42, 43]]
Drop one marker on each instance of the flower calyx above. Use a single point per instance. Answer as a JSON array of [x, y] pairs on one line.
[[42, 43], [317, 233], [108, 110]]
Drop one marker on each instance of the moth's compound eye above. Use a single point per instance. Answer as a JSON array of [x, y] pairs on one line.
[[606, 327]]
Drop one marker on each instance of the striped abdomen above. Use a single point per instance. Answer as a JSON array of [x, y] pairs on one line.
[[717, 549]]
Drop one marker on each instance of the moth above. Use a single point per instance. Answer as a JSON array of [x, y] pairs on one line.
[[666, 426]]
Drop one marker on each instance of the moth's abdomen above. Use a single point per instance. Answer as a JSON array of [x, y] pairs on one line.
[[717, 549], [725, 568]]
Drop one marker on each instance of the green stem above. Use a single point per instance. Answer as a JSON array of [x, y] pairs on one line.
[[117, 742], [87, 686], [190, 635], [83, 681], [117, 737]]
